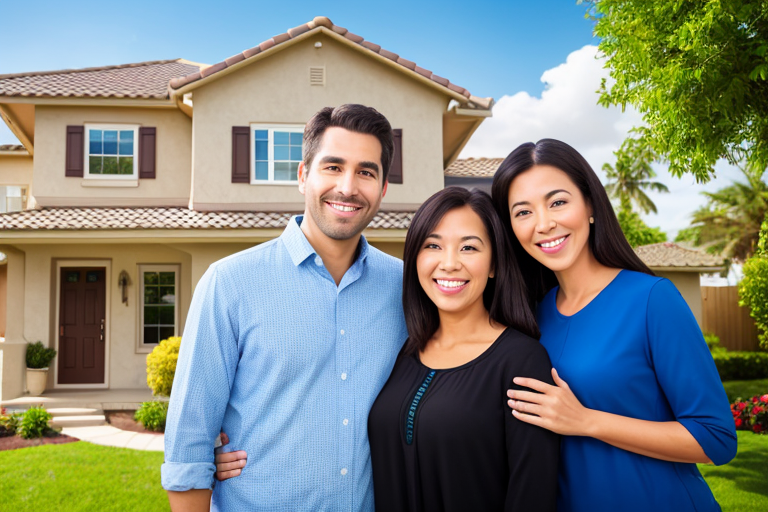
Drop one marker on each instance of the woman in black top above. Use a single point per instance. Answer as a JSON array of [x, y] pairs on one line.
[[441, 435]]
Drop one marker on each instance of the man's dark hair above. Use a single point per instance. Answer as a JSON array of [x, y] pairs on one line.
[[505, 296], [355, 118]]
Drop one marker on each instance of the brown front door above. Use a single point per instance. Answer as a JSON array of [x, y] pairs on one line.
[[81, 325]]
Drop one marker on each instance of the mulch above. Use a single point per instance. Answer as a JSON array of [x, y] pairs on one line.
[[124, 421], [16, 442]]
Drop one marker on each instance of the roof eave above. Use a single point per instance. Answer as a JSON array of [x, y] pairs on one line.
[[91, 101]]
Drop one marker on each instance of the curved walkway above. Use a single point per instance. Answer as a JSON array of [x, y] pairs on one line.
[[107, 435]]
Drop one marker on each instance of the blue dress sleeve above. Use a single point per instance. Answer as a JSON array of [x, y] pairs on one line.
[[687, 374]]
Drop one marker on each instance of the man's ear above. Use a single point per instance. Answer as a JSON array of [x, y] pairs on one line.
[[302, 175], [384, 190]]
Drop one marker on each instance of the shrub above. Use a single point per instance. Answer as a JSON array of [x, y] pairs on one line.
[[753, 288], [751, 414], [39, 356], [161, 366], [9, 423], [34, 423], [152, 415], [735, 365]]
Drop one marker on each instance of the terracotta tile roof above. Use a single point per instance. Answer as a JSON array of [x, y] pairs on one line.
[[668, 254], [147, 80], [164, 218], [474, 167], [12, 147], [322, 21]]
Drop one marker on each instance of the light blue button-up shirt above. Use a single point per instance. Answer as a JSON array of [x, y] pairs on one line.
[[288, 364]]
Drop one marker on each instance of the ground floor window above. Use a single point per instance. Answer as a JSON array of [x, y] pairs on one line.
[[159, 316], [13, 198]]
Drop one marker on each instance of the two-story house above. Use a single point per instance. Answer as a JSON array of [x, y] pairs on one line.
[[132, 179]]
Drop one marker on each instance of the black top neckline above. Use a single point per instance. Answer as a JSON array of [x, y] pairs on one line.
[[471, 362]]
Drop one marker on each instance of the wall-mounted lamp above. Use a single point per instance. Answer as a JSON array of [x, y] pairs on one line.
[[318, 44], [123, 281]]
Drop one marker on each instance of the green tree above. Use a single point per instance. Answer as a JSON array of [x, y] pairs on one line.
[[632, 175], [753, 288], [638, 232], [729, 224], [696, 71]]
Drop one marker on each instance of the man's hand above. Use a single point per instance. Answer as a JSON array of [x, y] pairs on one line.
[[229, 465]]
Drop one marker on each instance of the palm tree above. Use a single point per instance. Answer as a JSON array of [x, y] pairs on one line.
[[729, 224], [632, 176]]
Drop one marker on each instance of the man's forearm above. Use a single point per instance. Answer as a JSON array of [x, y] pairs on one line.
[[195, 500]]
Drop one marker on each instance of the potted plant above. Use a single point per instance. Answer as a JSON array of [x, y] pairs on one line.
[[38, 359]]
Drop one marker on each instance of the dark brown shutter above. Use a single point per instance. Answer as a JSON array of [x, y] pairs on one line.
[[241, 141], [147, 145], [75, 151], [396, 170]]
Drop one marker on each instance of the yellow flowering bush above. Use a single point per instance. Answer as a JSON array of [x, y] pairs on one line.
[[161, 366]]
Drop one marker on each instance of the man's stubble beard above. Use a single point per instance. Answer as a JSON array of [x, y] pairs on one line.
[[339, 228]]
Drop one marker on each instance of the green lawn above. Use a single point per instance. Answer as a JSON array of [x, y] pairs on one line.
[[742, 484], [745, 388], [81, 477]]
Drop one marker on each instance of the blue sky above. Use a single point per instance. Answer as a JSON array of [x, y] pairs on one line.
[[503, 49]]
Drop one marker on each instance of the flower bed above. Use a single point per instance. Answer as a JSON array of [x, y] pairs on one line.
[[751, 414]]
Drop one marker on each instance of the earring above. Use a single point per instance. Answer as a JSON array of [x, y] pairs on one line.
[[591, 220]]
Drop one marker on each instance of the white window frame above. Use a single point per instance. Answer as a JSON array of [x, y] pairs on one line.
[[119, 127], [145, 348], [24, 197], [291, 128]]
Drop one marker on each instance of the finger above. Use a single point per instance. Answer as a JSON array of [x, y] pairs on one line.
[[537, 385], [226, 475], [229, 466], [527, 418], [525, 407], [560, 382], [231, 456], [224, 438], [526, 396]]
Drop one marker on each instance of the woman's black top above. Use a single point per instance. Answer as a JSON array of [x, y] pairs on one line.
[[445, 440]]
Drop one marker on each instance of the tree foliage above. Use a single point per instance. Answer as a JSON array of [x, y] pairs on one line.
[[753, 288], [632, 175], [638, 232], [696, 71], [729, 224]]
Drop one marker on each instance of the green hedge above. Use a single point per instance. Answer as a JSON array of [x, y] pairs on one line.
[[741, 365]]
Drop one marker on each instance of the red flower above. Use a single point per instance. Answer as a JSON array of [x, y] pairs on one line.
[[764, 398], [756, 428], [735, 412], [741, 405], [754, 399], [738, 422], [756, 410]]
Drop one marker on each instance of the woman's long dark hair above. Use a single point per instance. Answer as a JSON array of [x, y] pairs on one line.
[[505, 296], [606, 240]]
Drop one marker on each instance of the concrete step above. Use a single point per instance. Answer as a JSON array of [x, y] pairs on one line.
[[73, 411], [89, 420]]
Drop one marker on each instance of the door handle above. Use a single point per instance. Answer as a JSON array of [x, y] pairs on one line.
[[101, 335]]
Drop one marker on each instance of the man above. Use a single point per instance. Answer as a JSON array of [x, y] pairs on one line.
[[287, 344]]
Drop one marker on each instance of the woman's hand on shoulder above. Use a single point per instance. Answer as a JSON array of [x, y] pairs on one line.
[[230, 464], [555, 408]]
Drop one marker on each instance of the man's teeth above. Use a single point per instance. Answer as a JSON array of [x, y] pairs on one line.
[[553, 243], [451, 284], [343, 208]]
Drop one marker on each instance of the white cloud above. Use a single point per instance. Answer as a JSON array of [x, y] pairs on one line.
[[567, 110]]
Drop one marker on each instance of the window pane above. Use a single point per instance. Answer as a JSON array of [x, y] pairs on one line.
[[150, 315], [262, 135], [262, 170], [13, 204], [167, 277], [294, 171], [126, 135], [11, 191], [281, 137], [126, 148], [296, 153], [150, 295], [94, 165], [150, 277], [282, 171], [151, 335], [73, 277], [126, 165], [262, 150], [110, 142], [167, 295], [296, 139], [110, 165], [94, 142], [281, 152], [166, 332], [166, 315]]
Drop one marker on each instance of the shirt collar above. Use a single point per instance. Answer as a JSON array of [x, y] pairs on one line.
[[300, 249]]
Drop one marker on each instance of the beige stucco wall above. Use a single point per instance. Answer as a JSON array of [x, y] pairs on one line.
[[688, 284], [3, 297], [16, 170], [277, 90], [171, 186], [13, 347]]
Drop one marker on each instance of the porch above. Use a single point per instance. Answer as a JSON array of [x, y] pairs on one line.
[[99, 399]]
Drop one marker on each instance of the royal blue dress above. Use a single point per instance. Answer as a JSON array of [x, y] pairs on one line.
[[636, 350]]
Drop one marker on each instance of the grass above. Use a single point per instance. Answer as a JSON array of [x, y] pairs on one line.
[[745, 389], [81, 477], [741, 484]]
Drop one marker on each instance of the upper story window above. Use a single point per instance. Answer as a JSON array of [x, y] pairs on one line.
[[111, 151], [13, 198], [276, 153]]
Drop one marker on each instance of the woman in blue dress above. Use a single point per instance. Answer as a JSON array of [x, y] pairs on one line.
[[637, 396]]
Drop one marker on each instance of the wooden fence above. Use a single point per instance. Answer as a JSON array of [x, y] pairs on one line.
[[721, 314]]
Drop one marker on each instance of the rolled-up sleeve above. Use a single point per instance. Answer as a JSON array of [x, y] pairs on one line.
[[205, 371], [686, 372]]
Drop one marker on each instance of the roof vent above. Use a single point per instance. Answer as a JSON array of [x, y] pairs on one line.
[[317, 75]]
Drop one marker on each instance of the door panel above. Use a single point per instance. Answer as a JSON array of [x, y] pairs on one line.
[[81, 313]]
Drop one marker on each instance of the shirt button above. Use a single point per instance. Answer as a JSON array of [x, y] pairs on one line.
[[342, 331], [318, 261], [343, 471], [343, 376], [346, 421]]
